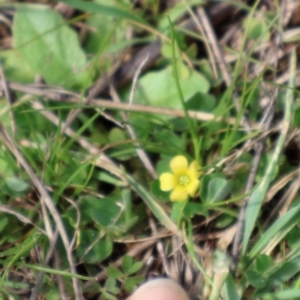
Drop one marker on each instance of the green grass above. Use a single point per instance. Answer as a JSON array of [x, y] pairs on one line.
[[81, 209]]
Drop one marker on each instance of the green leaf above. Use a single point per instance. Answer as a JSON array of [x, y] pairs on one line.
[[107, 296], [202, 101], [218, 189], [256, 279], [16, 184], [257, 28], [114, 273], [193, 208], [116, 135], [177, 211], [170, 139], [104, 211], [224, 220], [131, 282], [135, 267], [111, 286], [127, 263], [183, 70], [49, 46], [158, 193], [12, 60], [163, 166], [99, 250], [214, 188], [204, 187], [263, 263], [158, 88]]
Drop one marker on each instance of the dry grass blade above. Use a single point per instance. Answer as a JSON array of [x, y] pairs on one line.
[[287, 8], [66, 96], [159, 246], [220, 59], [141, 153], [284, 204], [9, 100], [207, 45], [7, 209], [44, 197], [60, 281], [280, 184], [102, 160], [87, 135]]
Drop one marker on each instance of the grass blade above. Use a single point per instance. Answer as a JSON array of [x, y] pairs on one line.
[[277, 231], [284, 273], [155, 208], [230, 289], [281, 295], [103, 10], [260, 191]]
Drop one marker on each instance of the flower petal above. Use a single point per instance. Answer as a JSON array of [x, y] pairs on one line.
[[167, 182], [192, 187], [179, 194], [178, 164], [195, 169]]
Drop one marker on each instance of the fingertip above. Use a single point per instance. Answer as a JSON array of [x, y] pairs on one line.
[[159, 289]]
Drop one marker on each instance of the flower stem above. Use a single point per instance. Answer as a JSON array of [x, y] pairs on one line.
[[190, 123]]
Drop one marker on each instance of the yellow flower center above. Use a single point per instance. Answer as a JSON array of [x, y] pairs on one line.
[[184, 180]]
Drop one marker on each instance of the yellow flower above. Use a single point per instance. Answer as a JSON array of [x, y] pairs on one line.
[[184, 180]]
